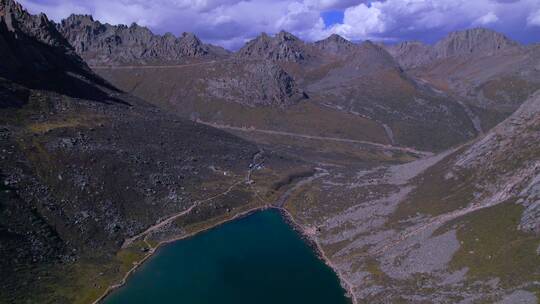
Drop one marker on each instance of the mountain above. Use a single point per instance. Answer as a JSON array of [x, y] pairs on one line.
[[473, 41], [103, 44], [82, 172], [282, 47], [486, 70], [370, 83], [335, 45]]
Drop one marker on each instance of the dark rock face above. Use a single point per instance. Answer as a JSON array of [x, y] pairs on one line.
[[36, 55], [102, 44], [19, 22], [32, 42], [282, 47], [335, 45]]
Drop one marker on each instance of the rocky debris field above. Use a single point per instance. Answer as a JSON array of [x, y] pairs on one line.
[[457, 227]]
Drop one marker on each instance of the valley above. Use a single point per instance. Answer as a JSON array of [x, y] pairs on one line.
[[412, 170]]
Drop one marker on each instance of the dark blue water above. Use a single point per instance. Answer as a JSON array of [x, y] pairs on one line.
[[257, 260]]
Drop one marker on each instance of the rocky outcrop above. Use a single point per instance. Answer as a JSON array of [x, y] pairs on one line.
[[335, 45], [101, 44], [282, 47], [259, 83]]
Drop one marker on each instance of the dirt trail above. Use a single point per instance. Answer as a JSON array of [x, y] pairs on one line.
[[315, 137], [127, 67], [173, 217]]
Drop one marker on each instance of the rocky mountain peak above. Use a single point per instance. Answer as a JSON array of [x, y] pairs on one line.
[[259, 83], [282, 47], [73, 18], [473, 41], [338, 39], [335, 44], [284, 36], [7, 6], [19, 22]]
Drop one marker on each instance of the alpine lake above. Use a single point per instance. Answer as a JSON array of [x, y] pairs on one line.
[[256, 259]]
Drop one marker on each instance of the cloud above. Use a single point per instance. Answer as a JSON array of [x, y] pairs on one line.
[[534, 19], [53, 10], [398, 19], [361, 21], [488, 18], [231, 22]]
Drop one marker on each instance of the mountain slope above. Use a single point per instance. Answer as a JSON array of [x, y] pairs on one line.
[[411, 54], [370, 83], [458, 226]]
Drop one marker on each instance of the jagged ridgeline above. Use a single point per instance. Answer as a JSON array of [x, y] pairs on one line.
[[101, 44], [84, 166], [358, 90]]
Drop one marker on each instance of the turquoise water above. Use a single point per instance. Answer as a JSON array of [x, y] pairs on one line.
[[257, 259]]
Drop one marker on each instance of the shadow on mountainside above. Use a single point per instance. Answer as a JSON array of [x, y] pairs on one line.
[[40, 66]]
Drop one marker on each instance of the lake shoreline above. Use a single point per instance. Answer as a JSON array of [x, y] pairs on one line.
[[306, 235], [317, 248], [153, 250]]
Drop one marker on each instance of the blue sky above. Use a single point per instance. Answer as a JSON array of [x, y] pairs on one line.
[[333, 17], [231, 23]]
